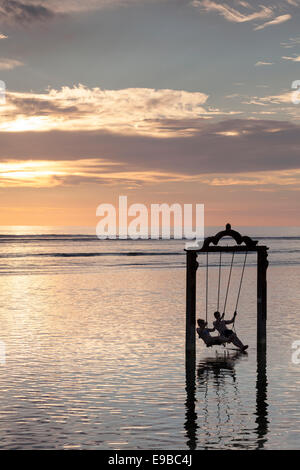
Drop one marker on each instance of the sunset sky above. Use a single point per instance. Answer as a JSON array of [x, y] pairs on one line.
[[160, 100]]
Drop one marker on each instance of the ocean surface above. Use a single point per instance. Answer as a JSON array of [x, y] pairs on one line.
[[93, 333]]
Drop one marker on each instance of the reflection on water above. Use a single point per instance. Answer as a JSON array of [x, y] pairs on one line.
[[261, 400], [95, 353], [217, 374], [98, 362], [190, 424]]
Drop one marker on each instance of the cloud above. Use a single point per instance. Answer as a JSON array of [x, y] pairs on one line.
[[284, 97], [130, 111], [25, 12], [261, 178], [244, 12], [246, 145], [232, 14], [3, 36], [294, 59], [278, 20], [14, 11], [260, 62], [47, 174], [69, 6], [292, 42], [9, 64], [41, 173]]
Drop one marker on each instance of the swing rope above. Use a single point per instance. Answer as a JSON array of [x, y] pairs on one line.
[[206, 287], [219, 282], [228, 283], [241, 281], [238, 296]]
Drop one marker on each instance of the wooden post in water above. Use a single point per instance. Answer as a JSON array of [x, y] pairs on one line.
[[190, 332], [261, 398], [262, 265]]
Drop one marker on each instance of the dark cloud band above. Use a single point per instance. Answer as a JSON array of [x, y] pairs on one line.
[[13, 11], [229, 146]]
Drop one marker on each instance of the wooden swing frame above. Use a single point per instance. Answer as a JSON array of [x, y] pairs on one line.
[[210, 245]]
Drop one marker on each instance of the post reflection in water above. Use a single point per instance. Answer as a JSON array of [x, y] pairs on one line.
[[261, 399], [221, 421], [190, 424]]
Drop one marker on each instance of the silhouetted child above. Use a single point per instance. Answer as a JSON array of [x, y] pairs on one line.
[[204, 334], [220, 326]]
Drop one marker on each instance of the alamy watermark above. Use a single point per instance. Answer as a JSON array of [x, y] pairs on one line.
[[154, 224], [296, 353], [2, 92], [296, 94], [2, 353]]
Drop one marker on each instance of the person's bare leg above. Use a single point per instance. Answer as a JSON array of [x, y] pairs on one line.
[[235, 340]]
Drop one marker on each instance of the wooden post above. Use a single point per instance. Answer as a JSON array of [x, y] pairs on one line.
[[261, 399], [190, 333], [190, 424], [262, 265]]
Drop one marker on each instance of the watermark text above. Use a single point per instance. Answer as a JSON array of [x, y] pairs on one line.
[[163, 221]]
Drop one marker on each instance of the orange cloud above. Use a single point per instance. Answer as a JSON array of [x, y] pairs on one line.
[[9, 64], [278, 20], [128, 111], [39, 174], [43, 174], [232, 14], [262, 178]]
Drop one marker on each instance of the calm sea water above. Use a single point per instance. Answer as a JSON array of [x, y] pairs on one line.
[[94, 337]]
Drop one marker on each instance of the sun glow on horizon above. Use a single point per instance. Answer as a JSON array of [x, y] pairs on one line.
[[42, 174], [47, 174]]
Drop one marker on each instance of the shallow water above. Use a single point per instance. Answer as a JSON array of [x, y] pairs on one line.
[[95, 351]]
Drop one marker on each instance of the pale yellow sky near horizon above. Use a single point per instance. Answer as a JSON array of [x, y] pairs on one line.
[[68, 205]]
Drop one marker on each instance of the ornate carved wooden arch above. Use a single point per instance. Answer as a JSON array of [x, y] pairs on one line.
[[228, 232]]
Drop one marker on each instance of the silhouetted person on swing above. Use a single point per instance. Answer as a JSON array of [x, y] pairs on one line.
[[220, 326], [204, 334]]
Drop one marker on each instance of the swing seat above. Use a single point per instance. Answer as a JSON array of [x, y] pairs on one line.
[[217, 344]]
